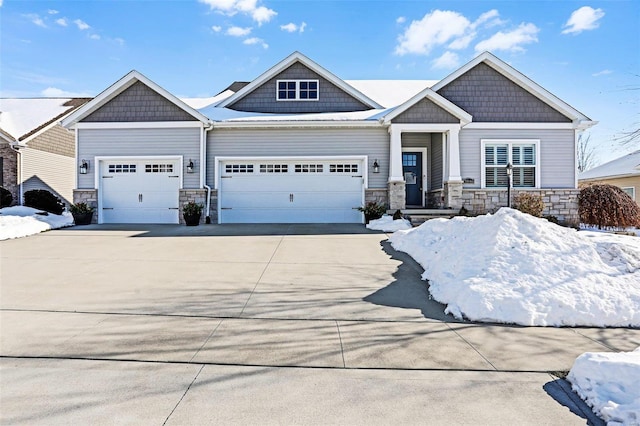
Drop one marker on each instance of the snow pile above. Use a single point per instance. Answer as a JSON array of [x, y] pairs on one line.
[[387, 224], [514, 268], [19, 221], [610, 384]]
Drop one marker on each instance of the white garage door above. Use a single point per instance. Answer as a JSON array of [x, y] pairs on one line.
[[291, 191], [135, 191]]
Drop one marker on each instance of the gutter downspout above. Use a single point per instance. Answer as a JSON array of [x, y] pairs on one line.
[[19, 174], [203, 170]]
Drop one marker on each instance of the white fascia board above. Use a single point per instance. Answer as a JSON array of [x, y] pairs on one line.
[[437, 99], [518, 78], [423, 128], [286, 63], [521, 126], [294, 124], [139, 125], [120, 86]]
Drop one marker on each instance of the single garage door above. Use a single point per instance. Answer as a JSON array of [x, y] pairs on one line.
[[136, 191], [291, 191]]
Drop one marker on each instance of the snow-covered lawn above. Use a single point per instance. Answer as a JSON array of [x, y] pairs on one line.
[[510, 267], [610, 384], [19, 221], [387, 224]]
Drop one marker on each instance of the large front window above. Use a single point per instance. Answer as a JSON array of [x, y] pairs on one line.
[[523, 158]]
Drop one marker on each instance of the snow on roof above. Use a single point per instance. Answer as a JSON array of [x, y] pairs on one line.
[[628, 165], [230, 115], [20, 116], [200, 103], [390, 93]]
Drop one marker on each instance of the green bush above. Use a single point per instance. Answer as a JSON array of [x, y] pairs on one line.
[[5, 197], [607, 206], [42, 199], [80, 208], [373, 210], [529, 203]]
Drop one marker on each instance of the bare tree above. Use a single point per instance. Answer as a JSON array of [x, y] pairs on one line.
[[631, 137], [586, 153]]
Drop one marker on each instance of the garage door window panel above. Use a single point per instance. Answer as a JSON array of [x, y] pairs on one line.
[[343, 168], [238, 168], [122, 168], [274, 168]]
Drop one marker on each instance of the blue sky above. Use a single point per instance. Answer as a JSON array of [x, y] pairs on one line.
[[587, 53]]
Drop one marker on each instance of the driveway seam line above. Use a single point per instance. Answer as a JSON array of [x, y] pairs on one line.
[[183, 395], [473, 347], [344, 364], [207, 339], [261, 275], [596, 341], [231, 364]]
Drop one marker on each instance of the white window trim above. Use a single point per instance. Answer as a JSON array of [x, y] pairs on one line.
[[510, 143], [633, 191], [297, 81]]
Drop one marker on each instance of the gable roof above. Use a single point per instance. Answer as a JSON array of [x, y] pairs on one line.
[[628, 165], [286, 63], [440, 101], [390, 93], [22, 118], [521, 80], [120, 86]]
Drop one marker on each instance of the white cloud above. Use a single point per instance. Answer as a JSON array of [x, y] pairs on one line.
[[603, 72], [511, 40], [238, 31], [36, 19], [54, 92], [447, 61], [256, 40], [216, 28], [260, 14], [94, 37], [583, 19], [401, 20], [0, 3], [119, 41], [486, 20], [81, 24], [62, 22], [434, 29], [53, 12], [292, 28]]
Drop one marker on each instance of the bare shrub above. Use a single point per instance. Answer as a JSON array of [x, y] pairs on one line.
[[529, 203], [607, 206]]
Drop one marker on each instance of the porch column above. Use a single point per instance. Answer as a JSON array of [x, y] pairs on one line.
[[454, 156], [397, 196], [453, 184]]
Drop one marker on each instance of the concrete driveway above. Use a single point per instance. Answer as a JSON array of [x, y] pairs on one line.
[[283, 324]]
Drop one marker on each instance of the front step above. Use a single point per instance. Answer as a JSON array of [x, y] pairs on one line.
[[419, 216]]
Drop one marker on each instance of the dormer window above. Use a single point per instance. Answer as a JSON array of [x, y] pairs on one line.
[[297, 90]]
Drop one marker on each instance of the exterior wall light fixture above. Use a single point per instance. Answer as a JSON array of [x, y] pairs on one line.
[[376, 166], [190, 167], [84, 167]]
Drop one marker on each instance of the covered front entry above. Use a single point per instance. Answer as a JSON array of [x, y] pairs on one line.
[[134, 190], [301, 190], [414, 177]]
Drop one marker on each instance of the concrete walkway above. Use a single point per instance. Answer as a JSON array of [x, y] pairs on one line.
[[268, 324]]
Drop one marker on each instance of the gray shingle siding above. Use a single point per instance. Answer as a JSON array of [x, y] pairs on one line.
[[139, 103], [56, 140], [331, 97], [425, 111], [490, 97]]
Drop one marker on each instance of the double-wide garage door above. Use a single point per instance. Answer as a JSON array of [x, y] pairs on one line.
[[139, 191], [291, 191]]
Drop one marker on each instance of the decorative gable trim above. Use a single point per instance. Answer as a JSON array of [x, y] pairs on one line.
[[119, 87], [440, 101], [521, 80], [286, 63]]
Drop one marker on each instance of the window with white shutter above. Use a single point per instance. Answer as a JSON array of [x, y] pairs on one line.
[[522, 156]]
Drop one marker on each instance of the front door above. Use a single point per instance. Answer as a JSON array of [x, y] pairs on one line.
[[412, 170]]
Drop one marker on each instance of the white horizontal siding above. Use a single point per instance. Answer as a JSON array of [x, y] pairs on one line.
[[301, 142], [139, 142], [44, 170], [557, 154]]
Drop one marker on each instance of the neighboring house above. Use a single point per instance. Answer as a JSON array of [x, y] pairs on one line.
[[623, 172], [36, 152], [299, 144]]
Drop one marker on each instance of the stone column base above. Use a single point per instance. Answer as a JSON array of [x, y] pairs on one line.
[[453, 194], [193, 195], [88, 196], [397, 196]]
